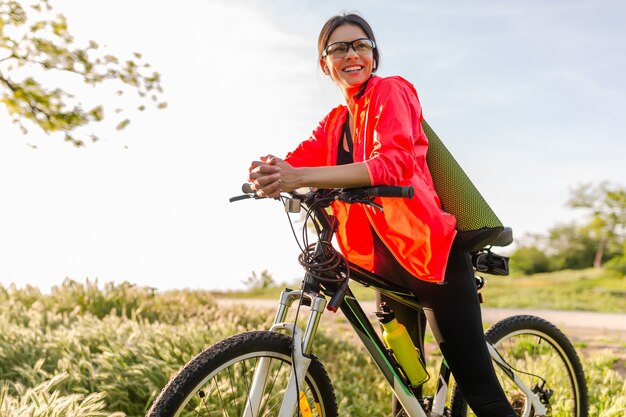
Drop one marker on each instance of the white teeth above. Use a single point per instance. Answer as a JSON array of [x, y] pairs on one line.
[[350, 69]]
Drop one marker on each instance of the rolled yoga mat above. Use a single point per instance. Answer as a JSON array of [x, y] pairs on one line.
[[477, 224]]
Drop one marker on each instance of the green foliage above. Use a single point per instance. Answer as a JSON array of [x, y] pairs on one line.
[[606, 210], [33, 39], [30, 401], [529, 260], [617, 264], [259, 282], [124, 299], [606, 206], [607, 386], [81, 361], [589, 289], [125, 356], [572, 246]]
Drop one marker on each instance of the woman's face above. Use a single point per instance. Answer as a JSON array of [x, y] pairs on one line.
[[352, 70]]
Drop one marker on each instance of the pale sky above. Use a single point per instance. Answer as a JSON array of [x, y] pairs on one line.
[[529, 96]]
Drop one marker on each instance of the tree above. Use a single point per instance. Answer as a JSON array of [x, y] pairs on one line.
[[570, 247], [259, 282], [33, 40], [530, 260], [606, 208]]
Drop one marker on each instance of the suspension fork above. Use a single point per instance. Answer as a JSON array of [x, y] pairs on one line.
[[302, 346]]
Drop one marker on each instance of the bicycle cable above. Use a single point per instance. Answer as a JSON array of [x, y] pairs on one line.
[[320, 260], [519, 370], [314, 266], [295, 319]]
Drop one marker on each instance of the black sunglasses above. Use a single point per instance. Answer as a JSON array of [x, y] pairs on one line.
[[340, 49]]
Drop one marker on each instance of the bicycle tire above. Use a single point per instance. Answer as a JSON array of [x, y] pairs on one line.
[[535, 347], [228, 366]]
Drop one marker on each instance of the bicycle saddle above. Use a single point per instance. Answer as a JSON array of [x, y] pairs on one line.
[[505, 238], [473, 240]]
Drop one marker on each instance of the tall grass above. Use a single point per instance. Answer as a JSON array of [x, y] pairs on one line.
[[83, 350], [43, 400], [592, 289], [584, 290]]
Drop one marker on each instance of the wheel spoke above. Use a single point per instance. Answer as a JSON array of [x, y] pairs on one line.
[[219, 393], [544, 360], [221, 380], [271, 387]]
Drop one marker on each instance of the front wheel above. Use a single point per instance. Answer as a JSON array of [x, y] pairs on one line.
[[544, 359], [218, 381]]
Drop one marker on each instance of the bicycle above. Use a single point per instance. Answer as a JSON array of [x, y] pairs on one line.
[[275, 373]]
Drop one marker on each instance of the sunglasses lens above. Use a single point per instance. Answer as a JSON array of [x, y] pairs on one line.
[[363, 45], [337, 49]]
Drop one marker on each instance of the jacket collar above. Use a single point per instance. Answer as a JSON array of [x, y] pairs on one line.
[[354, 101]]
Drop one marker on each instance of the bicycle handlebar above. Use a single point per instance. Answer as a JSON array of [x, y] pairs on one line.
[[348, 195], [316, 201], [391, 191]]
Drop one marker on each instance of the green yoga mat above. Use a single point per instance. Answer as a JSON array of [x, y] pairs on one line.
[[476, 221]]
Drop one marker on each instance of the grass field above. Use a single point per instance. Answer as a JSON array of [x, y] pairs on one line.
[[584, 290], [89, 351]]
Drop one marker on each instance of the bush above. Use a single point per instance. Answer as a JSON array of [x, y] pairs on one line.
[[617, 264], [529, 260], [60, 361]]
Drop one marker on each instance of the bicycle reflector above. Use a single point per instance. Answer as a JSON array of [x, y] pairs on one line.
[[292, 205]]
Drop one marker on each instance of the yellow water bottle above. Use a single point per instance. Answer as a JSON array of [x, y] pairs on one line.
[[404, 351]]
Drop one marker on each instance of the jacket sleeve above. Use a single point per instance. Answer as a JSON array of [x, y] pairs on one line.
[[316, 150], [398, 141]]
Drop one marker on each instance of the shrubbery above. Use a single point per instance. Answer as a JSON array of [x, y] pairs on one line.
[[90, 352], [600, 238]]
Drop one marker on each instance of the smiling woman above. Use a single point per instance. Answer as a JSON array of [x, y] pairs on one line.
[[241, 75], [377, 139]]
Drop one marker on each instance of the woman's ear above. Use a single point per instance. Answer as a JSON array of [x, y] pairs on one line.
[[324, 67]]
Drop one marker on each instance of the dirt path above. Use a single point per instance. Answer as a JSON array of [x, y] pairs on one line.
[[590, 332], [575, 321]]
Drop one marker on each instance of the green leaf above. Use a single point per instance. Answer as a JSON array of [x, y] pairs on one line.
[[47, 45], [123, 124]]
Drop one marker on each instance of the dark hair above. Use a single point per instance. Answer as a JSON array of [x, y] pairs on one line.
[[342, 19]]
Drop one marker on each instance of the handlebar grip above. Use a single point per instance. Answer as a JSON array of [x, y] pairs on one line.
[[391, 191], [239, 197], [246, 187]]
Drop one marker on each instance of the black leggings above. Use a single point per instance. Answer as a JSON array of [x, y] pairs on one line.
[[453, 313]]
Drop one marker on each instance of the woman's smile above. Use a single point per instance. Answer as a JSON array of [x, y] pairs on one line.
[[353, 68]]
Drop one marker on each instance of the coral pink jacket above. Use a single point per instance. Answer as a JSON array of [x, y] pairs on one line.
[[389, 139]]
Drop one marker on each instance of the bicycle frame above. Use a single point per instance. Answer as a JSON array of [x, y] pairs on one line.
[[352, 310], [382, 357]]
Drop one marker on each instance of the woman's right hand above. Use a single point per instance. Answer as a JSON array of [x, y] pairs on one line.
[[265, 176]]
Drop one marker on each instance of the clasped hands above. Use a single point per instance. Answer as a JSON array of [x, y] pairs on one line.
[[271, 175]]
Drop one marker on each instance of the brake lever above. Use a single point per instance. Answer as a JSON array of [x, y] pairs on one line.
[[373, 204], [365, 201]]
